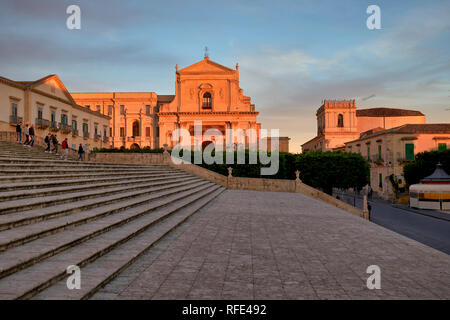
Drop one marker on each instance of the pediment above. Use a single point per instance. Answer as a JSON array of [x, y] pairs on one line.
[[206, 66], [54, 86]]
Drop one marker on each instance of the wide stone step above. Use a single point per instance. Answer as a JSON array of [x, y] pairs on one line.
[[18, 219], [39, 276], [62, 166], [59, 171], [79, 163], [28, 153], [8, 207], [25, 177], [58, 190], [20, 235], [34, 185], [100, 272]]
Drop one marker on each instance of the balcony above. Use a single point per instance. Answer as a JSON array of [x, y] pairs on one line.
[[97, 137], [105, 139], [65, 128], [42, 123], [85, 135], [74, 132], [403, 160], [54, 126], [134, 139], [14, 119], [377, 159]]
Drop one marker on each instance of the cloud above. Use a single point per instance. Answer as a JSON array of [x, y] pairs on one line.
[[398, 67], [309, 54]]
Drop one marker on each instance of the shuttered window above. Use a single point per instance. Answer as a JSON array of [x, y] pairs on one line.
[[409, 151]]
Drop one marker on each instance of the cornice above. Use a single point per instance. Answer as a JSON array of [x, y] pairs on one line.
[[208, 113]]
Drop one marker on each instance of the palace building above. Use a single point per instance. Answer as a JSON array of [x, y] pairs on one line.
[[205, 91], [387, 137], [339, 122], [387, 151], [49, 107], [133, 116]]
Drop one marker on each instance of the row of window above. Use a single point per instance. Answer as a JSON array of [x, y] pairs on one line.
[[65, 121], [148, 109], [409, 151], [136, 131], [206, 104]]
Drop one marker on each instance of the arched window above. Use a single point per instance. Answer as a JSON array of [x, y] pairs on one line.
[[136, 131], [207, 101], [340, 123]]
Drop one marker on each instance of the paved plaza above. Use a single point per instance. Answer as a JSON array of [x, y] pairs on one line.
[[267, 245]]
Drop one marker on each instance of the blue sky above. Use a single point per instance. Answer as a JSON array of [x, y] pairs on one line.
[[292, 54]]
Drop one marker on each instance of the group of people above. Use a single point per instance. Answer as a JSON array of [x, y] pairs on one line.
[[50, 139], [29, 134]]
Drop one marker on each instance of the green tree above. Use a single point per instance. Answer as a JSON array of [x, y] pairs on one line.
[[425, 164], [328, 170]]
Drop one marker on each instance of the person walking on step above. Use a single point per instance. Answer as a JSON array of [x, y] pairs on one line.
[[65, 147], [55, 143], [27, 135], [31, 133], [19, 132], [47, 141], [80, 152]]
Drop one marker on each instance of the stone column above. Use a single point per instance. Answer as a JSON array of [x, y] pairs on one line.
[[365, 208], [230, 177], [298, 182]]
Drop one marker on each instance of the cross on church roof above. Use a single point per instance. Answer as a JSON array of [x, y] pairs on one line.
[[206, 52]]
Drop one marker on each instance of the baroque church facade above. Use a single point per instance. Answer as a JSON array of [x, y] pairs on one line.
[[205, 91]]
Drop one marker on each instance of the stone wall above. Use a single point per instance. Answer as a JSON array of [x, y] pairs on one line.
[[128, 158]]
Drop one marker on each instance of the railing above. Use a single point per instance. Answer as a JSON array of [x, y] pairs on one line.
[[65, 128], [42, 123], [54, 126], [403, 160], [105, 139], [85, 134], [15, 119], [97, 137], [377, 159], [74, 132], [133, 139]]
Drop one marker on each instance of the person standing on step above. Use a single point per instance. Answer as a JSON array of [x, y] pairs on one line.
[[31, 133], [55, 143], [80, 152], [19, 132], [65, 147], [27, 135], [47, 140]]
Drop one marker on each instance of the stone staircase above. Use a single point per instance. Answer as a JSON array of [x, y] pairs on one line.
[[99, 217]]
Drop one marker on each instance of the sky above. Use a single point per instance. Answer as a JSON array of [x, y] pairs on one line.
[[291, 54]]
